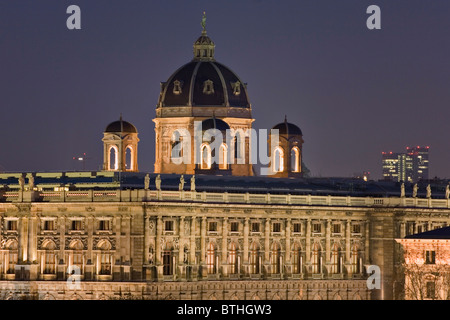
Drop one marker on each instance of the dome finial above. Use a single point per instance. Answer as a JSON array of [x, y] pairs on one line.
[[204, 22]]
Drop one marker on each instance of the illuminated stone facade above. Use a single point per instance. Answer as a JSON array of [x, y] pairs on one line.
[[148, 244]]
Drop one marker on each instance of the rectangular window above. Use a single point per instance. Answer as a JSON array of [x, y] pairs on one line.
[[430, 257], [431, 289], [212, 226], [336, 228], [356, 228], [76, 225], [234, 226], [168, 225], [297, 227], [317, 228], [276, 227], [11, 225], [255, 227], [49, 225], [104, 225]]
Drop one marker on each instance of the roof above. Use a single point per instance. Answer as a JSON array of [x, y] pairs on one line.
[[288, 128], [441, 233], [186, 87], [121, 126]]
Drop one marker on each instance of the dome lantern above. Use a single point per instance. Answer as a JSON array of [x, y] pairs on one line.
[[204, 46]]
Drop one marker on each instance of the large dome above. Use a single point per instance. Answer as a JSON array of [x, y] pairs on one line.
[[204, 83]]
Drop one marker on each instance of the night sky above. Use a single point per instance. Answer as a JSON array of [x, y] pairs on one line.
[[354, 92]]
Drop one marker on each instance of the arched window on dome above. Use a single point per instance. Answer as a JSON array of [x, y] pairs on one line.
[[295, 159], [205, 150], [238, 143], [278, 160], [113, 158], [223, 157], [129, 158]]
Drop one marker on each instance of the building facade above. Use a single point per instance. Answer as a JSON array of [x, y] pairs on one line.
[[427, 265]]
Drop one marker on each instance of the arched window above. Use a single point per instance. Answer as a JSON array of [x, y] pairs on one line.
[[354, 259], [77, 254], [238, 153], [223, 157], [206, 156], [113, 158], [233, 259], [275, 258], [104, 258], [211, 259], [316, 265], [335, 259], [168, 258], [296, 259], [278, 160], [129, 158], [49, 259], [12, 256], [295, 159], [254, 258]]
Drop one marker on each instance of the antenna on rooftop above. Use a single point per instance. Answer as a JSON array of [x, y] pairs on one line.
[[82, 159]]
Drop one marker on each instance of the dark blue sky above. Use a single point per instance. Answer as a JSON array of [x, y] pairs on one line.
[[353, 92]]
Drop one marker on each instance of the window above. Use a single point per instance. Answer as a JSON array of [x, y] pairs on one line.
[[223, 157], [234, 226], [236, 88], [254, 258], [208, 87], [49, 225], [335, 263], [11, 225], [177, 87], [49, 257], [297, 227], [356, 228], [211, 259], [104, 225], [167, 262], [354, 259], [212, 226], [317, 227], [113, 158], [232, 259], [296, 259], [295, 159], [316, 267], [336, 228], [275, 258], [76, 225], [278, 157], [12, 257], [168, 225], [255, 226], [206, 156], [430, 257], [431, 290], [276, 227]]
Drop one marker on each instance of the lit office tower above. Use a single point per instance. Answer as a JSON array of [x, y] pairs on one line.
[[419, 157], [411, 166]]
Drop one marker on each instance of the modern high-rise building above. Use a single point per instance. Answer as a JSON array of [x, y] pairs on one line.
[[411, 166]]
